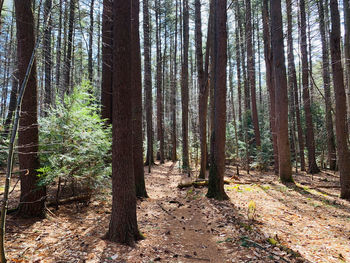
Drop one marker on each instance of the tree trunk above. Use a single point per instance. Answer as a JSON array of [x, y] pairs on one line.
[[217, 167], [293, 84], [47, 54], [32, 200], [184, 87], [346, 6], [270, 80], [340, 103], [58, 47], [68, 58], [332, 157], [310, 140], [136, 83], [123, 225], [91, 35], [251, 72], [281, 96], [148, 82], [203, 91], [107, 61]]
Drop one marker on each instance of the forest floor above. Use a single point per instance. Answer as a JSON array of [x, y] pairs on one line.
[[305, 222]]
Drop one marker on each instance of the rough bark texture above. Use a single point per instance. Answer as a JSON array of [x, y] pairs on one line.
[[137, 102], [107, 61], [217, 167], [293, 84], [58, 47], [347, 50], [148, 81], [184, 86], [332, 157], [251, 72], [310, 138], [47, 53], [281, 96], [340, 103], [91, 35], [123, 225], [32, 200], [203, 90], [238, 64], [270, 80]]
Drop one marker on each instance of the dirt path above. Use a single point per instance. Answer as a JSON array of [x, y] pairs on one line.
[[179, 226]]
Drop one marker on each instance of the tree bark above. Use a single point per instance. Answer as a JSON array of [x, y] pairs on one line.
[[184, 87], [310, 138], [32, 199], [340, 103], [148, 82], [47, 55], [251, 72], [281, 96], [136, 83], [91, 36], [293, 84], [123, 224], [270, 80], [332, 157], [217, 167], [107, 61]]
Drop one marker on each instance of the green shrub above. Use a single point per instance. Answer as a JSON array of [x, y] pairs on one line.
[[74, 141]]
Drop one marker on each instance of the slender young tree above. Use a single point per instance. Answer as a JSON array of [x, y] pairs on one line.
[[340, 103], [184, 86], [332, 157], [32, 200], [107, 61], [123, 224], [217, 167], [136, 84], [148, 82], [91, 38], [310, 138], [281, 96]]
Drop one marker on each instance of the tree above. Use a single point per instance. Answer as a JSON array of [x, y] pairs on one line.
[[47, 52], [293, 83], [270, 80], [91, 36], [281, 94], [32, 200], [107, 61], [123, 224], [310, 138], [332, 157], [148, 82], [203, 90], [137, 102], [184, 86], [251, 72], [340, 103], [217, 167]]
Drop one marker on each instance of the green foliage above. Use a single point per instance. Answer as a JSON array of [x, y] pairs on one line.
[[74, 141]]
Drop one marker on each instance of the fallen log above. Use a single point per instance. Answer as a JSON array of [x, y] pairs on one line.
[[79, 198]]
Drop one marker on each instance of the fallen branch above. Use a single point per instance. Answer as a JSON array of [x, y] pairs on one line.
[[78, 198]]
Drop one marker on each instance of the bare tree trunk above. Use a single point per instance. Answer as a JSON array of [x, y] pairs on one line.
[[281, 96], [148, 83], [346, 7], [340, 103], [136, 84], [270, 80], [91, 37], [32, 200], [310, 138], [217, 167], [107, 61], [332, 157], [58, 47], [294, 84], [47, 54], [251, 72], [123, 224], [184, 87]]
